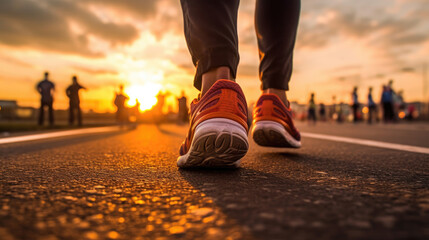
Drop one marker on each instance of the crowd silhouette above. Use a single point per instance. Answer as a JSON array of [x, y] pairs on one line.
[[46, 90], [390, 109]]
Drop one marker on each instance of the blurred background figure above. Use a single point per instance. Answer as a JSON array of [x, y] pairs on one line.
[[410, 112], [46, 88], [135, 111], [387, 103], [399, 104], [322, 112], [311, 110], [372, 108], [72, 93], [340, 118], [158, 108], [121, 110], [133, 115], [183, 109], [333, 110], [355, 105], [393, 111]]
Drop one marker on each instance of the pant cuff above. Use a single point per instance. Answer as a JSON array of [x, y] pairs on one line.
[[214, 58], [277, 82]]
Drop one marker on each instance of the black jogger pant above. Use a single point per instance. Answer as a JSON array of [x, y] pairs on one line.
[[211, 35]]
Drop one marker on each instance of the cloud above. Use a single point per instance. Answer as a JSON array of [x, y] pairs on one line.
[[346, 68], [29, 24], [96, 71], [390, 30], [47, 25], [114, 33], [16, 62], [313, 37], [386, 31], [142, 9]]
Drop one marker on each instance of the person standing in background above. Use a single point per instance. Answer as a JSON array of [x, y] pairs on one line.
[[392, 112], [322, 112], [387, 103], [312, 110], [340, 112], [333, 113], [411, 111], [72, 93], [121, 112], [46, 88], [371, 106], [355, 105], [183, 116]]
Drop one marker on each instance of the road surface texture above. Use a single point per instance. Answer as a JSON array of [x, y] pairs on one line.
[[125, 185]]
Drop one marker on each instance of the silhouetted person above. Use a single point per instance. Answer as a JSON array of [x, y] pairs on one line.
[[387, 103], [46, 88], [312, 109], [400, 101], [322, 112], [160, 102], [135, 110], [73, 94], [355, 105], [411, 109], [121, 112], [183, 109], [340, 112], [333, 113], [372, 108], [159, 115], [392, 92]]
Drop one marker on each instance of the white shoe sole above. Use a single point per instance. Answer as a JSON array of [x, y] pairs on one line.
[[217, 143], [273, 134]]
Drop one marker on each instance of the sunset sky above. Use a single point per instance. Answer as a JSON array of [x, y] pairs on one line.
[[140, 43]]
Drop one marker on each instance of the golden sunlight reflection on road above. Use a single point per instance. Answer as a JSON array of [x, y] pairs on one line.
[[144, 93]]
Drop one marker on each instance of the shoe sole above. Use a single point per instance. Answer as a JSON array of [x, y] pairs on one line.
[[273, 134], [217, 143]]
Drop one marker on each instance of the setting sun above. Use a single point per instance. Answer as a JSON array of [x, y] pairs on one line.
[[145, 94]]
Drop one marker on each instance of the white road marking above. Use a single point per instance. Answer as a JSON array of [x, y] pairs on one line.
[[358, 141], [365, 142], [57, 134]]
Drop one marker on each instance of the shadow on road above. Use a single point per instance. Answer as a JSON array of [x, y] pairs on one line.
[[299, 202], [168, 132], [260, 201]]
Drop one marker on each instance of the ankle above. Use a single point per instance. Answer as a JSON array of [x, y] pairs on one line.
[[209, 78], [280, 93]]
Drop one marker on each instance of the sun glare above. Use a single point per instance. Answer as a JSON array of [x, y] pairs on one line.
[[145, 94]]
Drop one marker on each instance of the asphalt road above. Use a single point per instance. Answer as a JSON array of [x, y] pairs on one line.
[[125, 185]]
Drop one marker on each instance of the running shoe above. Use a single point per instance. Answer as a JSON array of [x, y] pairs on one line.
[[217, 135], [273, 125]]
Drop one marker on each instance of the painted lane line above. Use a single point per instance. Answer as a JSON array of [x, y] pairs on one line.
[[57, 134], [371, 143]]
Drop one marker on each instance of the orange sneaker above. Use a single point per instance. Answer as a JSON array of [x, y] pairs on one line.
[[217, 135], [272, 123]]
